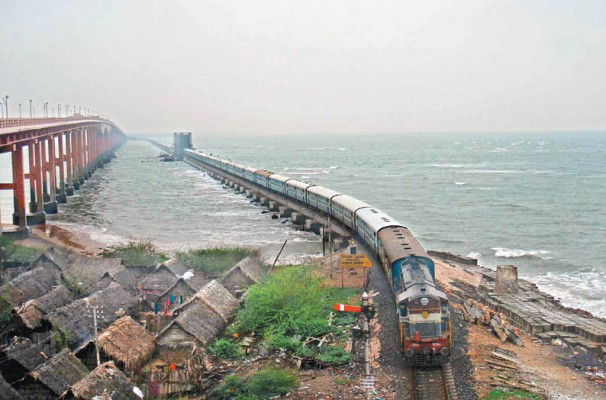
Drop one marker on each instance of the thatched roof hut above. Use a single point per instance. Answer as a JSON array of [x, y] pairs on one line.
[[75, 318], [29, 285], [158, 281], [24, 352], [87, 271], [7, 392], [32, 312], [105, 380], [60, 372], [200, 319], [127, 342], [245, 273]]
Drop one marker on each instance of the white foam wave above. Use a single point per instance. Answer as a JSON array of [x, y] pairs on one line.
[[341, 148], [493, 171], [504, 252], [581, 289], [460, 183], [304, 173], [314, 148], [474, 254], [333, 167]]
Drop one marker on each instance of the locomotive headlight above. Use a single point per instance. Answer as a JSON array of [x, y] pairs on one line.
[[425, 314], [444, 351], [409, 352], [425, 301]]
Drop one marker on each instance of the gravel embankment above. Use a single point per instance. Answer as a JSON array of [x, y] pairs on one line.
[[461, 366]]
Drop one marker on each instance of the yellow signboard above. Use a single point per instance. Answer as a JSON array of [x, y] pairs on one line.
[[354, 261]]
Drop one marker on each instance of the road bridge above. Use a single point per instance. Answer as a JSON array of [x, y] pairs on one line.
[[55, 156]]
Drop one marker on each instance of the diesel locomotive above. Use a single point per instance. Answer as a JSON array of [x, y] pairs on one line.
[[422, 309]]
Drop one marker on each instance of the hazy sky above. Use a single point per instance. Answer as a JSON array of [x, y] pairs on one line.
[[311, 66]]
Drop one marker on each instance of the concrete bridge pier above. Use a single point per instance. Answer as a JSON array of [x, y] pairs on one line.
[[285, 212], [249, 193], [263, 200], [297, 218], [313, 226], [273, 206]]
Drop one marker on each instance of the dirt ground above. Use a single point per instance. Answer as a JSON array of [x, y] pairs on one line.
[[541, 364]]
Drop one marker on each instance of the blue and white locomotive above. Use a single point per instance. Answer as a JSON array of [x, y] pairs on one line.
[[422, 309]]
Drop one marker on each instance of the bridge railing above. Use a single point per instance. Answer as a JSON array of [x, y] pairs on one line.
[[10, 122]]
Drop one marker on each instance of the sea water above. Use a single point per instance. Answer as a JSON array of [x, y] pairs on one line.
[[533, 200]]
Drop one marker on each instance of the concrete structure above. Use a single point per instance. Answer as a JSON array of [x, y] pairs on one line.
[[61, 154], [181, 141], [507, 279]]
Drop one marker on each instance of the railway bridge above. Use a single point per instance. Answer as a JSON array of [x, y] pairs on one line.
[[52, 157]]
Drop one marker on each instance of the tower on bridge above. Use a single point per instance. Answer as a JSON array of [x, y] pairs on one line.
[[181, 141]]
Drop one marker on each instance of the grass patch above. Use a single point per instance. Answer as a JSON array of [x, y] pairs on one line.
[[136, 253], [291, 305], [14, 253], [511, 394], [225, 349], [265, 384], [215, 261]]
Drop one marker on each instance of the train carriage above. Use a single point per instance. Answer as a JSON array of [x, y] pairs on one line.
[[277, 183], [297, 190], [262, 177], [319, 197], [344, 209], [249, 173], [368, 222]]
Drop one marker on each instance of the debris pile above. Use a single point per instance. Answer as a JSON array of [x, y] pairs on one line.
[[482, 315]]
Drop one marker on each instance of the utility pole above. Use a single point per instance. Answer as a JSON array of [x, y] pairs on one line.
[[31, 113], [6, 104], [97, 313]]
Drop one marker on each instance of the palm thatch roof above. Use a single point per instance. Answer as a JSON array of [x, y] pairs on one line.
[[245, 273], [158, 281], [24, 352], [89, 270], [76, 320], [7, 392], [32, 312], [60, 372], [29, 285], [206, 314], [128, 342], [105, 380]]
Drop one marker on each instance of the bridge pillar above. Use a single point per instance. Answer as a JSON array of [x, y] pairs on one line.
[[61, 195], [285, 212], [20, 214], [33, 207], [38, 215], [313, 226], [273, 206], [297, 218], [50, 205]]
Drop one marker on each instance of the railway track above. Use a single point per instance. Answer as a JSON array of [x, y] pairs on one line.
[[433, 383]]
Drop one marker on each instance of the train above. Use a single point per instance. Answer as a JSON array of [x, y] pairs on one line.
[[422, 309]]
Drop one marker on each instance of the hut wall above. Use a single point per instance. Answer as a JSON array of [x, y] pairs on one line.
[[175, 337], [180, 289], [236, 281]]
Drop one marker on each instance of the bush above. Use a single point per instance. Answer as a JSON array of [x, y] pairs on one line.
[[135, 253], [290, 302], [263, 385], [332, 355], [225, 349], [288, 343], [214, 261]]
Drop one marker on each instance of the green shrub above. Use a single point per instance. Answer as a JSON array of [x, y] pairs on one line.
[[225, 349], [511, 394], [7, 248], [332, 355], [214, 261], [263, 385], [271, 382], [135, 253], [288, 343]]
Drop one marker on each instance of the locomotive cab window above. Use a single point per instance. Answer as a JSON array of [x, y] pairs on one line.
[[403, 310]]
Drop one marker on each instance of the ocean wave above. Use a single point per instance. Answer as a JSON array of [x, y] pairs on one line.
[[460, 183], [304, 173], [504, 252], [492, 171], [474, 254], [579, 289]]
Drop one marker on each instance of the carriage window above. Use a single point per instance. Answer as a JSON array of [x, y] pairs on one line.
[[403, 310]]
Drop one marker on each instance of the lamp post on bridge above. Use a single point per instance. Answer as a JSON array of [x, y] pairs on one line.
[[66, 111], [19, 110], [58, 110], [45, 109], [2, 109], [31, 113], [6, 104]]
